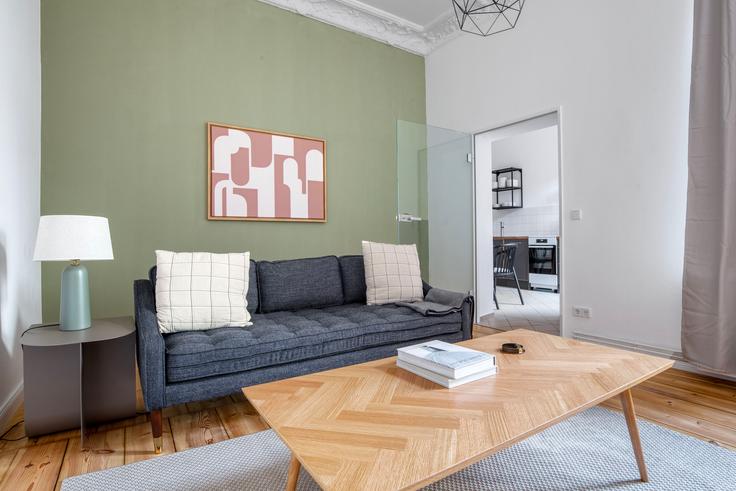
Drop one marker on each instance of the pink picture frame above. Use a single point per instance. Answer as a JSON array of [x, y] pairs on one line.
[[264, 175]]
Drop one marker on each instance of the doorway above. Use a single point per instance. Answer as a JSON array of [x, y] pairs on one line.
[[518, 238]]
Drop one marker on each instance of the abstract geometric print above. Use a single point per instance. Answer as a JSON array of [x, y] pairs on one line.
[[258, 175]]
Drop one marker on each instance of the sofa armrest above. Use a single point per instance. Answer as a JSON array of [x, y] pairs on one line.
[[151, 348], [425, 288], [467, 311], [468, 316]]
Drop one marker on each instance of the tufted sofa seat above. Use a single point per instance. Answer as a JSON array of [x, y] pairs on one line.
[[283, 337], [308, 315]]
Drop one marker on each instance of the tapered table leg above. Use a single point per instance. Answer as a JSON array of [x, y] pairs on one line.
[[627, 402], [293, 475]]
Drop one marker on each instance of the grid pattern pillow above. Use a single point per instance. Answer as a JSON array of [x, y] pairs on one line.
[[392, 273], [200, 290]]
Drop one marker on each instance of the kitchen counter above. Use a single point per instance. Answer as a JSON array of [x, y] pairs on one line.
[[518, 237], [512, 237]]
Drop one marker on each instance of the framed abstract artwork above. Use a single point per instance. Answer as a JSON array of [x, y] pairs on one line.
[[262, 175]]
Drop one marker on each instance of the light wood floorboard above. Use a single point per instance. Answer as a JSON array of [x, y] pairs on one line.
[[101, 451], [35, 467], [240, 419], [6, 458], [698, 405], [196, 429]]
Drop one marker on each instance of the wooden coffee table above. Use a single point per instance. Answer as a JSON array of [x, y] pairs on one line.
[[375, 426]]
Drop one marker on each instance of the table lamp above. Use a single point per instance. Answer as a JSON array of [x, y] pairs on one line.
[[73, 238]]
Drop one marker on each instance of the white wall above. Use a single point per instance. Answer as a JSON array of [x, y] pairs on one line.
[[20, 157], [620, 72], [536, 153]]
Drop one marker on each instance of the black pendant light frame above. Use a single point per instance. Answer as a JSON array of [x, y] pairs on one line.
[[487, 17]]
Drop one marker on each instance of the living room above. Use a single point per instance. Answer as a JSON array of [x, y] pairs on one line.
[[117, 119]]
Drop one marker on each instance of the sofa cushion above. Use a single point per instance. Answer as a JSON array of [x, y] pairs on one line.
[[392, 273], [353, 278], [284, 337], [299, 283], [197, 291], [251, 296]]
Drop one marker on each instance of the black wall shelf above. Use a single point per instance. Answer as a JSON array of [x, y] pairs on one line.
[[510, 173]]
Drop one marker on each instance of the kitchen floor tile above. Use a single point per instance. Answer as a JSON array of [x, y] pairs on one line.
[[540, 312]]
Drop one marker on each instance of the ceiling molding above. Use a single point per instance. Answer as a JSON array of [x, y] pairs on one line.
[[353, 15]]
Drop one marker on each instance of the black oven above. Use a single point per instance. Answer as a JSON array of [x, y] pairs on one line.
[[543, 259], [543, 263]]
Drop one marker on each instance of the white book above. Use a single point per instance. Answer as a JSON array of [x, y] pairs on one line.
[[448, 360], [444, 381]]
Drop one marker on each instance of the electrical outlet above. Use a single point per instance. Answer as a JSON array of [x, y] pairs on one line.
[[580, 311], [576, 214]]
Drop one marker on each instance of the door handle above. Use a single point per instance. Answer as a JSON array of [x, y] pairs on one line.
[[407, 217]]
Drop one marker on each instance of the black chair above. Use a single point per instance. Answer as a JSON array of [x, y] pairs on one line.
[[503, 265]]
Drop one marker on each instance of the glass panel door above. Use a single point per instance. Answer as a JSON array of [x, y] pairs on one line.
[[435, 202]]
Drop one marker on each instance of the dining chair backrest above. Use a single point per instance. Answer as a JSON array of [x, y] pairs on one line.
[[504, 256]]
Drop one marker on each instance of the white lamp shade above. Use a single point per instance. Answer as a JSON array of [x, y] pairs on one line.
[[69, 237]]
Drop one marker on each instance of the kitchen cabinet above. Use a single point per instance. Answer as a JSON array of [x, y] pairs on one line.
[[521, 261]]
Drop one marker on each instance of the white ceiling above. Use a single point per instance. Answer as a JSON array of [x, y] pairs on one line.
[[422, 13]]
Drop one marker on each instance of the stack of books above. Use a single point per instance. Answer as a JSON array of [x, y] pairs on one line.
[[446, 364]]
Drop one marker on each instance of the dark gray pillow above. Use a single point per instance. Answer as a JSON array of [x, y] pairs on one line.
[[251, 296], [353, 278], [299, 284]]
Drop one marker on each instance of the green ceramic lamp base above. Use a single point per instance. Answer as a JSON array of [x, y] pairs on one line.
[[75, 314]]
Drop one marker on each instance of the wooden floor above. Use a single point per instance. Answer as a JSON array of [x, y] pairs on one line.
[[700, 406]]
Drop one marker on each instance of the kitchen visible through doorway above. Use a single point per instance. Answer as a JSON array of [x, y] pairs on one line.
[[518, 229]]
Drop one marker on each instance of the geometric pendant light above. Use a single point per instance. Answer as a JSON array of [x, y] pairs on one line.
[[486, 17]]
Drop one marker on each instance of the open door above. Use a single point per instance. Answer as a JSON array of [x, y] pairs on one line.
[[435, 202]]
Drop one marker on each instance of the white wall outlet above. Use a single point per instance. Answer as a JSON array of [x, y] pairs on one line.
[[580, 311], [576, 214]]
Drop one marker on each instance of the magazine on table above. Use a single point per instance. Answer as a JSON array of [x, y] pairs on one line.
[[442, 380], [449, 360]]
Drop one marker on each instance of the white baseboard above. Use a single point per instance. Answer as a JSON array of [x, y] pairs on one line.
[[688, 367], [10, 406], [680, 362], [631, 346]]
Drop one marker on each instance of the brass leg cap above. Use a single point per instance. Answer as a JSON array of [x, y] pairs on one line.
[[157, 444]]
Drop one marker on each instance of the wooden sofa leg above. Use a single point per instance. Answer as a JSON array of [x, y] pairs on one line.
[[157, 430]]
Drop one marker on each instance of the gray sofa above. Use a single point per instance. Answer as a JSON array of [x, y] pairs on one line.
[[308, 315]]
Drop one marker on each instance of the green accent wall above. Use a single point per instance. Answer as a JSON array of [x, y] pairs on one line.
[[128, 87]]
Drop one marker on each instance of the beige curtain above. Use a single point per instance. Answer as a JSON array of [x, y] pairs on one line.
[[709, 288]]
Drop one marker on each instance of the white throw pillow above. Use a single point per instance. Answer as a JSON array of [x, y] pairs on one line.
[[200, 290], [392, 273]]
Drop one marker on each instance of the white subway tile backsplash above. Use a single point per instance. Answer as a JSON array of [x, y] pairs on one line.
[[529, 221]]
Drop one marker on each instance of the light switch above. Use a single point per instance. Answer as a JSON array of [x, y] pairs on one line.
[[576, 214]]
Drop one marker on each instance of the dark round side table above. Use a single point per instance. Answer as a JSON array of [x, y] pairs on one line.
[[74, 379]]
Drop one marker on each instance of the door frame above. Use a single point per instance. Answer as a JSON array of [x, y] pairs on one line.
[[562, 251]]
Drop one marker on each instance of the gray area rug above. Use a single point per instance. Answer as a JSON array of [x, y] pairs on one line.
[[590, 451]]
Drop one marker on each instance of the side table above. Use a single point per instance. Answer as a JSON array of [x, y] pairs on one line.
[[74, 379]]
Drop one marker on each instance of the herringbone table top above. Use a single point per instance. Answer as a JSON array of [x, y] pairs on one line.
[[375, 426]]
